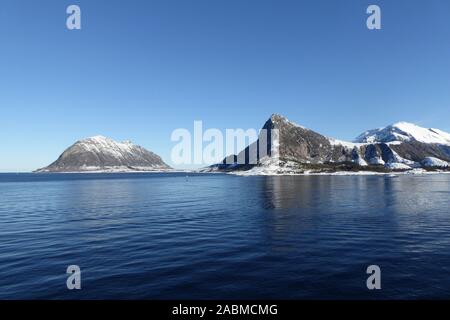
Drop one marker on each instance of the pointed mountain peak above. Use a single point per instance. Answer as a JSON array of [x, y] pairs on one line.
[[277, 119], [277, 116], [403, 123]]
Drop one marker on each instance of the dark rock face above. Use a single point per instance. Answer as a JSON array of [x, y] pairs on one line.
[[298, 143], [295, 143], [103, 154], [386, 152], [307, 149], [445, 150], [373, 154], [417, 151]]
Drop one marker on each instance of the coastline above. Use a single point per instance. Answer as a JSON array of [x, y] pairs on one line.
[[343, 173], [249, 174]]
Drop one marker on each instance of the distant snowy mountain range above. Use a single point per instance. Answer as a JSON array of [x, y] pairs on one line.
[[399, 147], [106, 155], [404, 131]]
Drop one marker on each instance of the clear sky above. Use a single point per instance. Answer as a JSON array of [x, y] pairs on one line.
[[140, 69]]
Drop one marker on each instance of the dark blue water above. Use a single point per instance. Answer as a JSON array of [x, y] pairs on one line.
[[159, 236]]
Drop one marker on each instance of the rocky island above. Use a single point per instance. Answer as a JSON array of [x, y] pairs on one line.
[[102, 154]]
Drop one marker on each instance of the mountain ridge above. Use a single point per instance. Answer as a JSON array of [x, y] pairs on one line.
[[404, 131], [399, 147], [99, 153]]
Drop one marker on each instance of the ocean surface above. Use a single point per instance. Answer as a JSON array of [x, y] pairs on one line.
[[217, 236]]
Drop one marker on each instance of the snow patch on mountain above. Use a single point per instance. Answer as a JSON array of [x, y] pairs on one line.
[[269, 166], [347, 144], [376, 161], [404, 131], [397, 166], [398, 159], [357, 158], [399, 163], [101, 144], [434, 162]]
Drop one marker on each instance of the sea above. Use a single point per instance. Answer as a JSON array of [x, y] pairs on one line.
[[222, 236]]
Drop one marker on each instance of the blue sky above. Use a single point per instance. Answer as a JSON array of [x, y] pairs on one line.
[[140, 69]]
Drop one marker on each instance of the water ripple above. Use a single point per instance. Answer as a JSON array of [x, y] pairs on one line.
[[156, 236]]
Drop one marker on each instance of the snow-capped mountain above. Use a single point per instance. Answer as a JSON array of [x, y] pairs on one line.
[[404, 131], [103, 154], [399, 147]]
